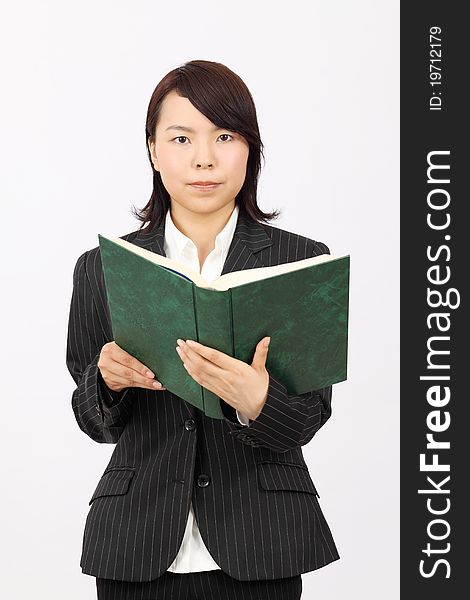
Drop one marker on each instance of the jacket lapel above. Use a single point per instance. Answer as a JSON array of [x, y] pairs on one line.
[[248, 240]]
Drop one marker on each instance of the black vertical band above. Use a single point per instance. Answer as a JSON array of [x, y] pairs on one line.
[[435, 256]]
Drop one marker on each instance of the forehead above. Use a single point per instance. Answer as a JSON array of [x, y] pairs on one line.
[[178, 111]]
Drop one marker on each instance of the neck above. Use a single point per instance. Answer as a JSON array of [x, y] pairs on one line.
[[201, 228]]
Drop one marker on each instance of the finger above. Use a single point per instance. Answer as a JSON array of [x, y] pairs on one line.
[[210, 383], [211, 354], [121, 376], [199, 365], [124, 365], [124, 358]]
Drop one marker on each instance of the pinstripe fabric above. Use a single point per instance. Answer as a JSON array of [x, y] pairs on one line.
[[254, 500], [204, 585]]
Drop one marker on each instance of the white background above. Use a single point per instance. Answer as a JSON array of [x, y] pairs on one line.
[[76, 82]]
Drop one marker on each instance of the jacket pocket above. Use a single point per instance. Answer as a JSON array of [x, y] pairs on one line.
[[274, 475], [114, 482]]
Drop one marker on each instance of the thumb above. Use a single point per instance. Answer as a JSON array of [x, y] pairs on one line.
[[261, 353]]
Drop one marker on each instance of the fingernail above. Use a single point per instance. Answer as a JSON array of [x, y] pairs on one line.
[[266, 342], [150, 374], [157, 384]]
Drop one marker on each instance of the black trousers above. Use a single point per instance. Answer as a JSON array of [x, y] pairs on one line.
[[201, 585]]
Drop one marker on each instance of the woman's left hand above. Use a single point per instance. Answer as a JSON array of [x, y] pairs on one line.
[[243, 386]]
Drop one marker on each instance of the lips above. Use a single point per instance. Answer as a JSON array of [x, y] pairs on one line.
[[204, 183], [204, 186]]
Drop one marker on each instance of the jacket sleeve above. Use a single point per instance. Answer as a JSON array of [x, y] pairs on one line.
[[100, 412], [284, 422]]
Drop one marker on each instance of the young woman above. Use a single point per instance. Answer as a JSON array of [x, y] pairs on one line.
[[189, 506]]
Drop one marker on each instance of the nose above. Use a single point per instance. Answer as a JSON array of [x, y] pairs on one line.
[[206, 164], [203, 156]]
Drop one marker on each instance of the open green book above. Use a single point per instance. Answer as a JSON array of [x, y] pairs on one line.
[[302, 306]]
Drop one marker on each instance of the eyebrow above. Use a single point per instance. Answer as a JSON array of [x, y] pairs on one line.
[[189, 129]]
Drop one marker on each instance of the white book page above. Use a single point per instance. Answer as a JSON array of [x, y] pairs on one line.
[[229, 280]]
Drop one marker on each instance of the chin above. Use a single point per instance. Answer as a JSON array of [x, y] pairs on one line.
[[202, 204]]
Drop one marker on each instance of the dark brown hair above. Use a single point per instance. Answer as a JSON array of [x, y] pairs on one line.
[[220, 95]]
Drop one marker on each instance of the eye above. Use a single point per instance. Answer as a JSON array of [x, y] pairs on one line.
[[184, 137]]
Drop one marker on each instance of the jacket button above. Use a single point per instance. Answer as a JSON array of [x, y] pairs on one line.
[[203, 480], [189, 424]]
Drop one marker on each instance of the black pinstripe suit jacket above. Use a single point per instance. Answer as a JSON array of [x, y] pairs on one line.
[[254, 500]]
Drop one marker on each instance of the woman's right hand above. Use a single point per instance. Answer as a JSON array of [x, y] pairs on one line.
[[121, 370]]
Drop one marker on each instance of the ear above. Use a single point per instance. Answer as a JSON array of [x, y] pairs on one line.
[[155, 163]]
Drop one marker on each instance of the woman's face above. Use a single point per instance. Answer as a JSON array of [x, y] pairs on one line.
[[189, 148]]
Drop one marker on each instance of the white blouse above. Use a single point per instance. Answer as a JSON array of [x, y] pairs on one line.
[[193, 554]]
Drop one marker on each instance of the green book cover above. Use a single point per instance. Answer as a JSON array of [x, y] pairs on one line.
[[303, 306]]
